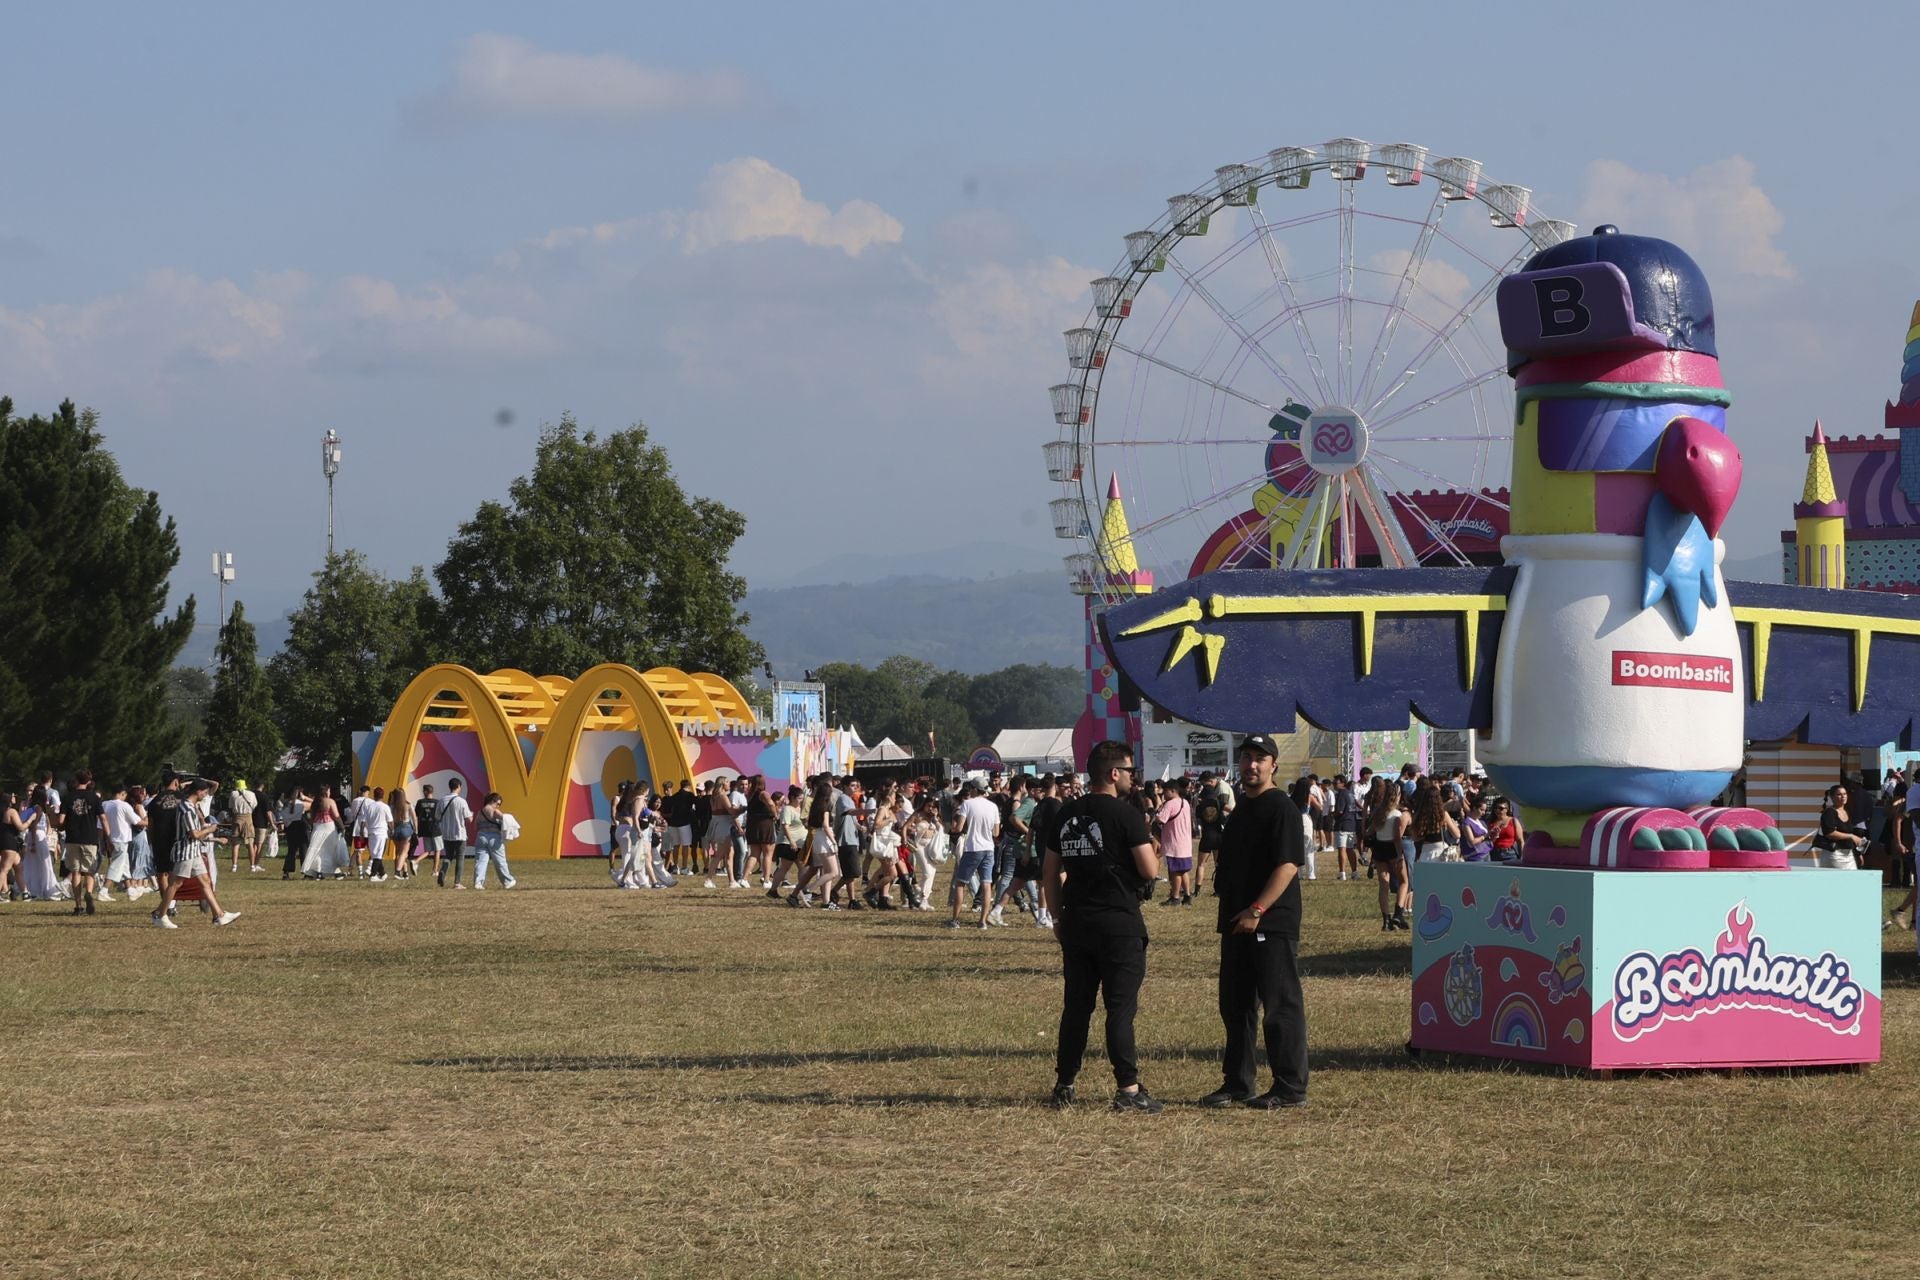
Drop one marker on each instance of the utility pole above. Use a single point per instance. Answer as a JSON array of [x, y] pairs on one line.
[[223, 574], [330, 467]]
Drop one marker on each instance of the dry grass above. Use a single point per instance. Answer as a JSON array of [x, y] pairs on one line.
[[388, 1081]]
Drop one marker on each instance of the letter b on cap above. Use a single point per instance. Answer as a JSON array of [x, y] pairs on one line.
[[1558, 300]]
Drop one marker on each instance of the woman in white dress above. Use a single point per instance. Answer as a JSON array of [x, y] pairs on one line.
[[38, 871], [326, 851]]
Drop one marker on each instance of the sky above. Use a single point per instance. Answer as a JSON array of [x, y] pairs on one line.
[[825, 252]]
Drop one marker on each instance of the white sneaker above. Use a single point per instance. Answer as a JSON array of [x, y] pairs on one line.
[[477, 886], [995, 918], [164, 923], [227, 917], [710, 885], [103, 896], [509, 884]]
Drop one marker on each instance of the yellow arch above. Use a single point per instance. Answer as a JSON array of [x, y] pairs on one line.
[[725, 697], [608, 696]]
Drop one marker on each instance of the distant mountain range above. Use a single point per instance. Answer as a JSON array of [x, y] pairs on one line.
[[968, 626]]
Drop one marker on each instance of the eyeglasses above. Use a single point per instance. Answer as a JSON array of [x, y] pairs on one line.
[[1133, 769]]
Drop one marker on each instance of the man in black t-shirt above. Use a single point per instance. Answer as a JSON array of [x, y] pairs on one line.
[[1258, 878], [1099, 859], [80, 840]]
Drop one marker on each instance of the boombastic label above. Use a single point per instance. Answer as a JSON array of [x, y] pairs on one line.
[[1742, 973], [1672, 670]]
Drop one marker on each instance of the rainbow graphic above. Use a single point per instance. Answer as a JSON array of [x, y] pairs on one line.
[[1517, 1024]]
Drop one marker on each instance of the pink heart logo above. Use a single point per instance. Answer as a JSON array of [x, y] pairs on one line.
[[1333, 438]]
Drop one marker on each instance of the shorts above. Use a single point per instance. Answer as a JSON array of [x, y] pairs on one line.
[[783, 852], [359, 844], [1385, 852], [80, 859], [679, 837], [243, 827], [850, 861], [1175, 866], [822, 852], [1344, 839], [377, 846], [188, 864], [402, 833], [974, 869], [1323, 822], [430, 843]]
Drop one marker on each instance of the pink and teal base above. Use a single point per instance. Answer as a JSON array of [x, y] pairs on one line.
[[1602, 970]]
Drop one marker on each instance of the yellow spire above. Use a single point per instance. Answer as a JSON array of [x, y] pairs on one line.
[[1116, 538], [1819, 488]]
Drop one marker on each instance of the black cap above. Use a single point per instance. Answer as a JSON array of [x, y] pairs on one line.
[[1262, 743]]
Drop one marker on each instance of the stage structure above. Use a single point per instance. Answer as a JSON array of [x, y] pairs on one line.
[[1615, 676], [557, 749]]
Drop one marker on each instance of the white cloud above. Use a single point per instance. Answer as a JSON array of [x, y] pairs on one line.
[[749, 199], [1006, 310], [378, 325], [500, 77], [1717, 213]]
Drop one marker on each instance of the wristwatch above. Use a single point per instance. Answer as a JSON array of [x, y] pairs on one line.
[[1257, 909]]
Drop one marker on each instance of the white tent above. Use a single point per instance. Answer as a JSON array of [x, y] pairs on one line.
[[1049, 749], [887, 749]]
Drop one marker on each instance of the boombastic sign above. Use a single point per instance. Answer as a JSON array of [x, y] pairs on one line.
[[1632, 969]]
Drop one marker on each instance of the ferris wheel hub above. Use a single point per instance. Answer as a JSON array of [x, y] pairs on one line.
[[1334, 440]]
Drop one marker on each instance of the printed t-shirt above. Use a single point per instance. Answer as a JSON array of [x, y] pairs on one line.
[[1095, 836]]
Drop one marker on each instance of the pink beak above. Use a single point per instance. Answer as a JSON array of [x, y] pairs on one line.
[[1698, 469]]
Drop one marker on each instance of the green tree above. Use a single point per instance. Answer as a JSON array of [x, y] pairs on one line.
[[598, 556], [914, 674], [354, 643], [241, 739], [189, 690], [84, 563], [1025, 696], [871, 701]]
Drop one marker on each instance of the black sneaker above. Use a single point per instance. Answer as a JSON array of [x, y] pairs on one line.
[[1271, 1101], [1186, 899], [853, 905], [1139, 1100], [1061, 1098], [774, 894], [89, 904], [1223, 1098]]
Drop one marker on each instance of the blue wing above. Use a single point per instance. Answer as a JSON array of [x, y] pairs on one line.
[[1248, 650]]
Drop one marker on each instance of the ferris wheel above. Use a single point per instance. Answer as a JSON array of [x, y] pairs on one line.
[[1295, 367]]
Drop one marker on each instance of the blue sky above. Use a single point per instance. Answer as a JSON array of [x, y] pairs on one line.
[[826, 251]]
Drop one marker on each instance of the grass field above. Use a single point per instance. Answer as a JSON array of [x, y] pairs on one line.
[[563, 1080]]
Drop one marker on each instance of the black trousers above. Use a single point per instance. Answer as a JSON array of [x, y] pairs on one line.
[[455, 852], [296, 838], [1260, 983], [1097, 965]]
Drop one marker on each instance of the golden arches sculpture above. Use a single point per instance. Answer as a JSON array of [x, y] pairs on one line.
[[502, 707]]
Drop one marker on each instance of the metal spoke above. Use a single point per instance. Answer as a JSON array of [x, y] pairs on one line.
[[1440, 397], [1237, 487], [1388, 534], [1262, 525], [1315, 522], [1440, 480], [1345, 372], [1447, 330], [1171, 367], [1402, 294], [1239, 331], [1413, 508], [1285, 284]]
